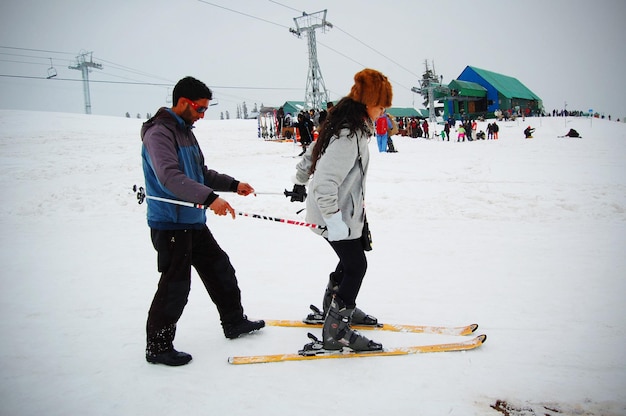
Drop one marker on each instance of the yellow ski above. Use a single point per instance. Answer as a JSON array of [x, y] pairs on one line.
[[416, 349], [422, 329]]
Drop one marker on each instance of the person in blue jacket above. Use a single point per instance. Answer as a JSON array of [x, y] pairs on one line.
[[174, 168]]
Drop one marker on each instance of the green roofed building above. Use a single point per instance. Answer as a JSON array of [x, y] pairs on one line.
[[478, 92], [294, 107], [403, 112]]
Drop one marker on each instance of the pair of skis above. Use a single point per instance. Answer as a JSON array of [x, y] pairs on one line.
[[311, 354]]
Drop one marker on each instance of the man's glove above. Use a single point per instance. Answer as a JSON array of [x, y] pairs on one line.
[[297, 194], [337, 229]]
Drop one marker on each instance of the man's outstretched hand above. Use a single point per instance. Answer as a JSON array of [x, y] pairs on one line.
[[222, 207]]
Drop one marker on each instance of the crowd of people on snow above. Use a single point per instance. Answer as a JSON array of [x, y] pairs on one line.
[[463, 130], [308, 124], [578, 113]]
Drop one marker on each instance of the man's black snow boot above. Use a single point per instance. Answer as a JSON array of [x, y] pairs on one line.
[[244, 326], [173, 358]]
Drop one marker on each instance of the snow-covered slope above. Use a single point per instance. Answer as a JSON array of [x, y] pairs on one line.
[[524, 237]]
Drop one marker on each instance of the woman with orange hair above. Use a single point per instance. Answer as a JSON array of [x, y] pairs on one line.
[[337, 167]]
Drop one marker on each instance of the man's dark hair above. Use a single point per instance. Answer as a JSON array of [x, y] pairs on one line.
[[191, 88]]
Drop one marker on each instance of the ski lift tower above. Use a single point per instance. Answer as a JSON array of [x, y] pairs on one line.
[[84, 61], [316, 93], [428, 88], [429, 85]]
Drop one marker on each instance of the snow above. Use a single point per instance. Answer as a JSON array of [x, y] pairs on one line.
[[524, 237]]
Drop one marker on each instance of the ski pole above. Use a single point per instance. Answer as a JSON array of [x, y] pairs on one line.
[[283, 220], [141, 196], [270, 193]]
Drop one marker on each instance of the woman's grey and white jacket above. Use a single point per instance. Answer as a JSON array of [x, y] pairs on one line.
[[338, 183]]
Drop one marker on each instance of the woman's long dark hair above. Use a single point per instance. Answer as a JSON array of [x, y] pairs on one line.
[[347, 113]]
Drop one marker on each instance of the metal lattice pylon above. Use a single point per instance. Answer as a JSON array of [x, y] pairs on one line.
[[84, 61], [316, 94]]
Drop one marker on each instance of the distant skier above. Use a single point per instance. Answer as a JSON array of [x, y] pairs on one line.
[[394, 130], [305, 127], [425, 128], [572, 133], [528, 132], [460, 133], [446, 131]]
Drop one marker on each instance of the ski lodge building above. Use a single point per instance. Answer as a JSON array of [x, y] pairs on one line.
[[477, 92]]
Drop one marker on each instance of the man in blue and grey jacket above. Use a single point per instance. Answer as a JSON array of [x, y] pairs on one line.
[[174, 168]]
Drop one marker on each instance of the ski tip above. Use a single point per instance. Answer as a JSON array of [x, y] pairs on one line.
[[482, 338], [474, 327]]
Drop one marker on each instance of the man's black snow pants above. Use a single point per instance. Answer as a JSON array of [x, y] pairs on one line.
[[178, 251]]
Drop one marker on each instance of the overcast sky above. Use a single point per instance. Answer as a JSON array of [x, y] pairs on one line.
[[565, 51]]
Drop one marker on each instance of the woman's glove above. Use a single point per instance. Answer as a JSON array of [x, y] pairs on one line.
[[336, 228]]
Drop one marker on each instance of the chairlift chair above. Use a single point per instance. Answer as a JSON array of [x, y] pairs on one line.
[[52, 72]]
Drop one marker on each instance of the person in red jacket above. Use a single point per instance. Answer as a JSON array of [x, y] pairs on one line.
[[425, 128], [383, 124]]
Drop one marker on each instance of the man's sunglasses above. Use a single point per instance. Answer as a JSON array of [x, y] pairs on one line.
[[199, 108]]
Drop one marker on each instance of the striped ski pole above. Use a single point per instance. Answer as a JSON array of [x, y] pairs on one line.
[[141, 196], [283, 220]]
